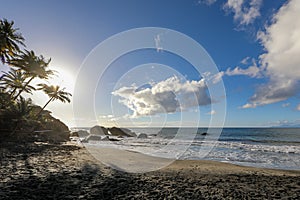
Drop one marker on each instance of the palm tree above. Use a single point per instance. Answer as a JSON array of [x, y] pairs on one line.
[[18, 113], [15, 81], [34, 66], [9, 40], [54, 93]]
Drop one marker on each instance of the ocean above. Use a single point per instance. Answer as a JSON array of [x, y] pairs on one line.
[[276, 148]]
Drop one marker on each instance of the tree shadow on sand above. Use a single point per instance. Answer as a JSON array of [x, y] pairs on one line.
[[94, 181]]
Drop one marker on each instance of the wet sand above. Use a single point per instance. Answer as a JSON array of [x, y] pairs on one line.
[[47, 171]]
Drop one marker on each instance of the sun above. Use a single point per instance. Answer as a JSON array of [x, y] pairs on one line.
[[63, 78]]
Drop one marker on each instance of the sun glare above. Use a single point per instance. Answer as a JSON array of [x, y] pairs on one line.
[[64, 78]]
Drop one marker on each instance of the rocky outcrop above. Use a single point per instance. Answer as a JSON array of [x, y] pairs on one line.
[[98, 130], [142, 136], [52, 130], [82, 133], [114, 131]]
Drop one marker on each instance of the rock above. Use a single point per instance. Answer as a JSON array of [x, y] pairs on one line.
[[113, 139], [74, 134], [106, 138], [98, 130], [121, 132], [82, 133], [92, 137], [204, 133], [142, 136]]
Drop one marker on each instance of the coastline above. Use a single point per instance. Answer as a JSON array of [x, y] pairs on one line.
[[136, 162], [68, 171]]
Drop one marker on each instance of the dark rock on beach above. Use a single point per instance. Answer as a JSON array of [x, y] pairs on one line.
[[98, 130], [82, 133], [142, 136], [121, 132]]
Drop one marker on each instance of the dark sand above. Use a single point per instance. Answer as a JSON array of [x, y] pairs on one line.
[[44, 171]]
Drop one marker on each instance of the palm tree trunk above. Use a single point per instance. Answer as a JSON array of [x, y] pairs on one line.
[[13, 92], [38, 115], [24, 87]]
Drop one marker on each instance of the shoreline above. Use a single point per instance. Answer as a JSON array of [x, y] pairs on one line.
[[127, 160], [48, 171]]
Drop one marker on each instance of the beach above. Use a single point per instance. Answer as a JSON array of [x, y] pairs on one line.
[[69, 171]]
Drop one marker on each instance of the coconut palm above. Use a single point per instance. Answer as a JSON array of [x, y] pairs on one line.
[[18, 114], [14, 80], [34, 66], [10, 39], [54, 93]]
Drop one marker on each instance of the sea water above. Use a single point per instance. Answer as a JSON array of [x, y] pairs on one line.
[[277, 148]]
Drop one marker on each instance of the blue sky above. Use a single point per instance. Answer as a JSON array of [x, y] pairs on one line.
[[259, 37]]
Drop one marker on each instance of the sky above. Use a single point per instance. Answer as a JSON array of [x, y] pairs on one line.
[[208, 63]]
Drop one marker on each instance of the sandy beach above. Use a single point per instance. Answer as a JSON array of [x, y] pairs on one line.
[[47, 171]]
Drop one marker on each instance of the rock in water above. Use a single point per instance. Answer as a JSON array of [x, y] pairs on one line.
[[142, 136], [79, 133], [98, 130], [121, 132], [82, 133]]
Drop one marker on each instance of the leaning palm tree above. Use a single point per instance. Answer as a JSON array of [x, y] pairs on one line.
[[10, 39], [34, 66], [54, 93], [14, 81]]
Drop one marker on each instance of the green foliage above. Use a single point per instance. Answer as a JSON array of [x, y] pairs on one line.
[[15, 81], [10, 39], [17, 114]]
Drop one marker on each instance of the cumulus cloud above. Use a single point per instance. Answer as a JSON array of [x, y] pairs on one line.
[[281, 60], [253, 71], [168, 96], [244, 13]]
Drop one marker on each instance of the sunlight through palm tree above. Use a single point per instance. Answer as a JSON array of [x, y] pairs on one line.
[[54, 93], [14, 81], [34, 66]]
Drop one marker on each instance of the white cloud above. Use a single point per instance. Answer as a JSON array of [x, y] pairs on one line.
[[245, 60], [213, 78], [248, 105], [286, 123], [284, 105], [298, 107], [212, 112], [244, 13], [106, 116], [253, 71], [158, 45], [207, 2], [281, 59], [217, 77], [168, 96]]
